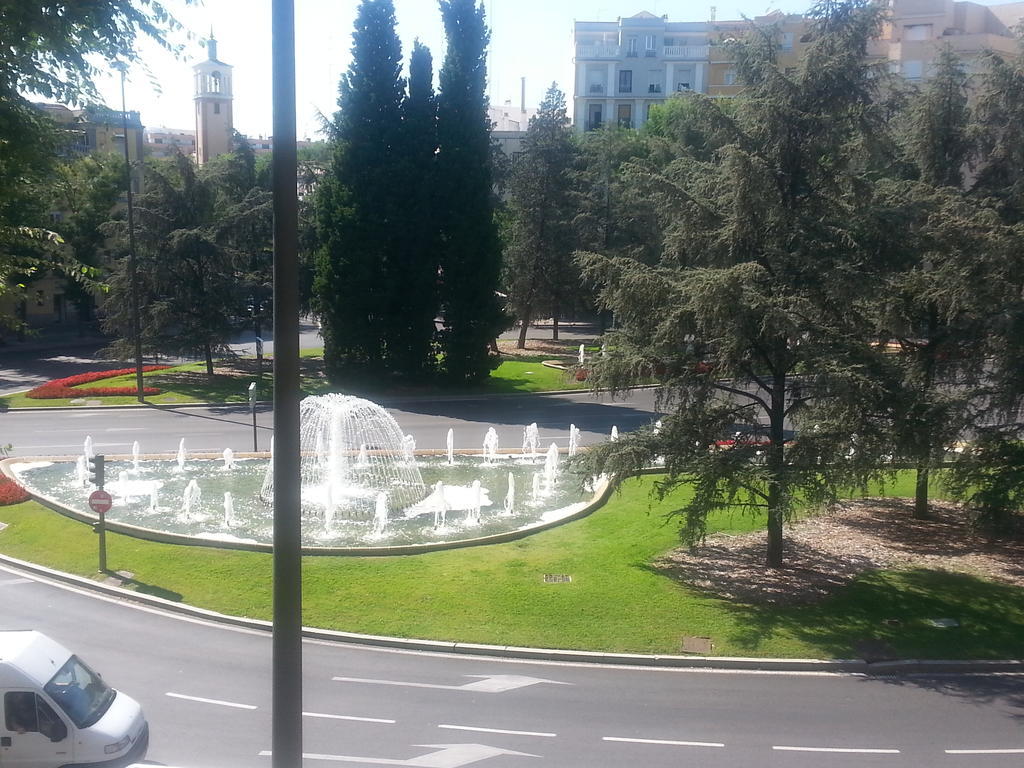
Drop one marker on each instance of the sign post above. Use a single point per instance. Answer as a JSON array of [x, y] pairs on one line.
[[259, 358], [252, 408], [100, 501]]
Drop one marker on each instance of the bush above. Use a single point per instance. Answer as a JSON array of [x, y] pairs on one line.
[[11, 492], [63, 388], [989, 476]]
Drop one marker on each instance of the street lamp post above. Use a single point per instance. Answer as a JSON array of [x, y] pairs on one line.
[[133, 279]]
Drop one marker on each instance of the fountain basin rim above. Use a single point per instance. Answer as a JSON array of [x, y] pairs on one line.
[[600, 495]]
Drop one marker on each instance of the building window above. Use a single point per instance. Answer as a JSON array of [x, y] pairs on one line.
[[913, 32], [631, 47], [682, 87], [215, 82], [625, 115], [648, 45], [729, 78], [913, 69], [158, 141], [655, 78], [216, 108], [625, 81], [787, 41]]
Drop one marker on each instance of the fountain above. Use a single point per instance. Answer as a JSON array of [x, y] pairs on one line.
[[339, 470], [574, 440], [615, 434], [362, 485], [531, 439], [491, 445], [581, 354]]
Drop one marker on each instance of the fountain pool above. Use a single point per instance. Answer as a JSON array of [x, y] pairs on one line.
[[363, 486]]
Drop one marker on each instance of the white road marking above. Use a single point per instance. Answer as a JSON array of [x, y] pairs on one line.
[[348, 717], [665, 741], [496, 730], [210, 701], [8, 582], [985, 751], [126, 429], [850, 750], [486, 683], [446, 756]]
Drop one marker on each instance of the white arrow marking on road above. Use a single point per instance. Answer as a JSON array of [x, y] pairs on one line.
[[449, 756], [486, 683]]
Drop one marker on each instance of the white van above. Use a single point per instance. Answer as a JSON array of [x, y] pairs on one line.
[[56, 712]]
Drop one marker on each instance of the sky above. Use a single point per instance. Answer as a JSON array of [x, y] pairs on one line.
[[529, 38]]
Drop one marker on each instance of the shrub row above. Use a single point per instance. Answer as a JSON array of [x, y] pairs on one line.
[[61, 388]]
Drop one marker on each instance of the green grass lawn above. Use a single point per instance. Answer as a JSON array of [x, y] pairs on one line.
[[496, 594], [190, 384]]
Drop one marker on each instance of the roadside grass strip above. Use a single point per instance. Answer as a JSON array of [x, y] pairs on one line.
[[617, 601]]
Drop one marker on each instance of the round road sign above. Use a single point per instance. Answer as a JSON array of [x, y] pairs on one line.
[[100, 501]]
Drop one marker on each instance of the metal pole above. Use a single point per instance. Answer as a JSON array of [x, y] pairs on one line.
[[286, 729], [133, 278], [102, 531]]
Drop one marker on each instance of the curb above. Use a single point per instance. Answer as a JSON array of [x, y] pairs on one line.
[[385, 401], [838, 666]]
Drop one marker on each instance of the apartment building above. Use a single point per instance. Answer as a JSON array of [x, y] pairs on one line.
[[625, 67]]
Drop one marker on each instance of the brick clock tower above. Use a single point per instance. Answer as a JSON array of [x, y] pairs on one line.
[[214, 123]]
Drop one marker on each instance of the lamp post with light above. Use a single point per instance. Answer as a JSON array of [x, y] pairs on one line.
[[133, 279]]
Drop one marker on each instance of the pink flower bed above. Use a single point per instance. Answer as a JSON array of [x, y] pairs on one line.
[[11, 492], [61, 388]]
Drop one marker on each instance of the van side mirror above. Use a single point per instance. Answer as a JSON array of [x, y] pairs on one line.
[[58, 731]]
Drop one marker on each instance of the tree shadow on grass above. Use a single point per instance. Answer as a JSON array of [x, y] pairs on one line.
[[889, 614], [151, 589]]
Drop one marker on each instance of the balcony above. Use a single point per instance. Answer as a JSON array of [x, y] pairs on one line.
[[597, 51], [654, 88], [625, 89], [686, 52], [596, 88]]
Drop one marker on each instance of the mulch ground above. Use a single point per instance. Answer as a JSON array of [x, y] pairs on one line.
[[829, 550]]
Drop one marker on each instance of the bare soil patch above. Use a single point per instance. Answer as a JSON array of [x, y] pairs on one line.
[[534, 347], [828, 550]]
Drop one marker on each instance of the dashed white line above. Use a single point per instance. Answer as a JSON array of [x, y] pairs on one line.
[[985, 751], [200, 699], [496, 730], [348, 717], [845, 750], [665, 741]]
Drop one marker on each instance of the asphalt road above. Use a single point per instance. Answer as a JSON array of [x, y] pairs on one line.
[[206, 691], [159, 430]]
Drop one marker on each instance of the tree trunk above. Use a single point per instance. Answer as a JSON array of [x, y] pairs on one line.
[[921, 511], [554, 327], [521, 343], [208, 352], [777, 461]]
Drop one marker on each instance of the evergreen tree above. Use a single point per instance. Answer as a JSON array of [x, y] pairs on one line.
[[358, 211], [930, 311], [188, 282], [413, 267], [539, 268], [470, 247], [749, 317]]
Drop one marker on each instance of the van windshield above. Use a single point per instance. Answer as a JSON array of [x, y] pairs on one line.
[[80, 692]]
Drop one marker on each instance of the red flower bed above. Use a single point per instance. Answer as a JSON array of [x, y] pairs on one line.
[[61, 388], [11, 492]]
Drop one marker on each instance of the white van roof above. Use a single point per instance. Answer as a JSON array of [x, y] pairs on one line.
[[33, 653]]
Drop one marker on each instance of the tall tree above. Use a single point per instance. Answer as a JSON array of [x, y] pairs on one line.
[[747, 315], [538, 266], [188, 282], [358, 212], [471, 250], [929, 308], [413, 263], [49, 49]]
